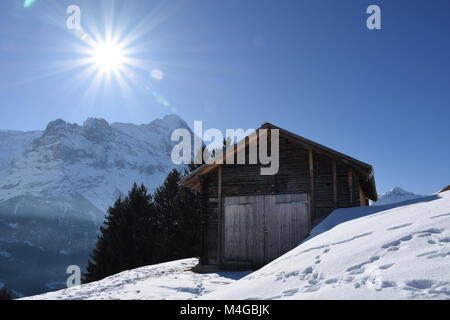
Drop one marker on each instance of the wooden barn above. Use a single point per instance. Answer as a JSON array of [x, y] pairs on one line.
[[250, 219]]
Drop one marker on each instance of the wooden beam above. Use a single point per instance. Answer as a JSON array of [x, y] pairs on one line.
[[219, 218], [362, 198], [204, 222], [335, 192], [350, 186], [311, 181]]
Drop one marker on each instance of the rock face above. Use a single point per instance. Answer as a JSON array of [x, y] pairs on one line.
[[396, 195], [56, 185]]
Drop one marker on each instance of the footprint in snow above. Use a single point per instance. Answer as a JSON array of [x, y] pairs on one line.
[[395, 245], [308, 270], [426, 288], [358, 268], [357, 271], [386, 266], [312, 289], [420, 283], [444, 240], [349, 279], [399, 227], [406, 238], [290, 293], [388, 284], [434, 254], [441, 216], [388, 245], [331, 281]]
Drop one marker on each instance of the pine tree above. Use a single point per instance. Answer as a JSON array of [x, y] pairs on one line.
[[190, 222], [166, 198], [5, 294], [128, 237], [141, 230], [179, 212]]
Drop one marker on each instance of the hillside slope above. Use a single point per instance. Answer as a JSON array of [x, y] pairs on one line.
[[391, 252], [166, 281], [387, 252], [56, 185]]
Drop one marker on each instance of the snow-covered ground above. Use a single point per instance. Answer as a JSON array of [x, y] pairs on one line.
[[391, 252], [166, 281], [397, 251]]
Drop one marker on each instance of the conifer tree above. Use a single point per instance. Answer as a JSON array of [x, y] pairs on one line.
[[179, 211], [128, 237], [190, 207], [141, 230], [5, 294], [166, 203]]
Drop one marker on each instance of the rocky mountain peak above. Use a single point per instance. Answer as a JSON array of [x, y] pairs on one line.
[[97, 130], [398, 191], [396, 195]]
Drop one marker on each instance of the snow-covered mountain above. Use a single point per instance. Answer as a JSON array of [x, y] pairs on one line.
[[396, 195], [398, 251], [96, 160], [56, 185]]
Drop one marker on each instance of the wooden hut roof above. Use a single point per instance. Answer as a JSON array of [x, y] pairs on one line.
[[364, 170]]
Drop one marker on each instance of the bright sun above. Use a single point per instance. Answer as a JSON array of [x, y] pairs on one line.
[[108, 56]]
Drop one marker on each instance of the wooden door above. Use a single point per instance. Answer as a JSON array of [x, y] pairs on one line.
[[287, 221], [259, 229]]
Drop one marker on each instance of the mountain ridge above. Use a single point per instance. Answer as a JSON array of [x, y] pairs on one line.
[[141, 150], [57, 184]]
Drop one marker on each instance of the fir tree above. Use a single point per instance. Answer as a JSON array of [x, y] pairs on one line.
[[141, 230], [128, 237], [166, 203], [179, 212], [5, 294], [190, 222]]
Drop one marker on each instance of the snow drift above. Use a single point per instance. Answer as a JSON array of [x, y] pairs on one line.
[[172, 281], [397, 251], [390, 252]]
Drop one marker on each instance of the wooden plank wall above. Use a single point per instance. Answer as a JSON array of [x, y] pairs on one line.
[[293, 177], [259, 229], [287, 222]]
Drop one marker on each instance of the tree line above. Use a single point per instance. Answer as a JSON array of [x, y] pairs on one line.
[[142, 229]]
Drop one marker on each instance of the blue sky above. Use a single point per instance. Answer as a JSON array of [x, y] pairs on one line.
[[311, 67]]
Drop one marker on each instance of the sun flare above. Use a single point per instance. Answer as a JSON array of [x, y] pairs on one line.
[[108, 56]]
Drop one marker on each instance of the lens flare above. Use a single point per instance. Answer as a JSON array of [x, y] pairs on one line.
[[157, 74], [28, 3]]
